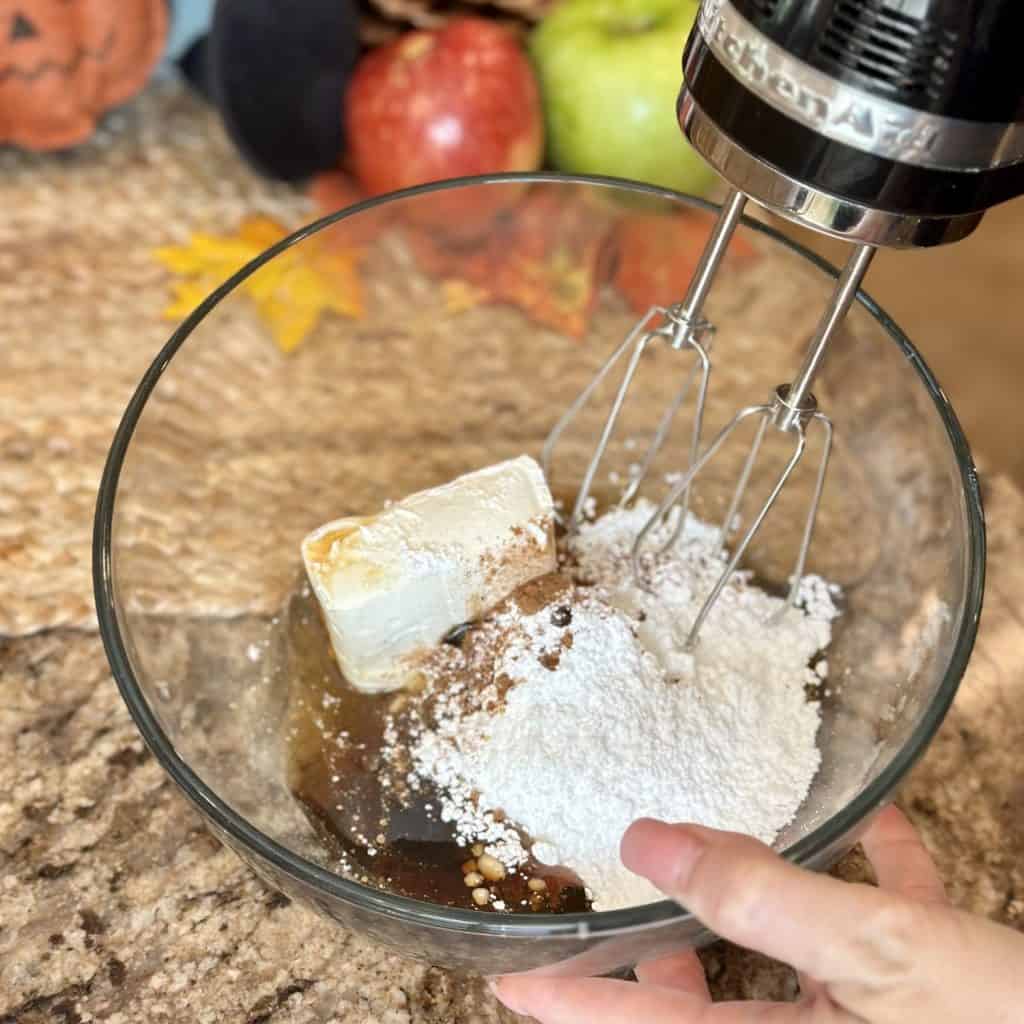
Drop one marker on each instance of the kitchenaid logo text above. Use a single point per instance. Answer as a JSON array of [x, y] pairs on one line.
[[850, 118]]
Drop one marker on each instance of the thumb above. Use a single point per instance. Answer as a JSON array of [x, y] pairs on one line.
[[743, 891], [882, 956]]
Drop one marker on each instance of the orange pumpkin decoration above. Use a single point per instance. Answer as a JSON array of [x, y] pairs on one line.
[[63, 63]]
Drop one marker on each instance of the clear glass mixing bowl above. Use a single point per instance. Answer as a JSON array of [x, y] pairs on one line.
[[230, 451]]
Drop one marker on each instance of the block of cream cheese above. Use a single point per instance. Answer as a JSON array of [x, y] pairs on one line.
[[393, 584]]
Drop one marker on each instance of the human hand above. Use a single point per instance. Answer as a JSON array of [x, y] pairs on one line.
[[898, 953]]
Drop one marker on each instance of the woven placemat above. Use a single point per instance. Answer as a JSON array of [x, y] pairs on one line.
[[81, 299]]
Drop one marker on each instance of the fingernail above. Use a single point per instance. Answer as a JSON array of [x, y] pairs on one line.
[[664, 854]]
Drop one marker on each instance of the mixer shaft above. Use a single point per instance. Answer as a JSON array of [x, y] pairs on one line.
[[682, 327]]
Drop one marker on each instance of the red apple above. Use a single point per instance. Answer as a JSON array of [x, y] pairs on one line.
[[441, 104], [335, 190]]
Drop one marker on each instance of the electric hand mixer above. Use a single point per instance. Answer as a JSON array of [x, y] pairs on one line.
[[882, 122]]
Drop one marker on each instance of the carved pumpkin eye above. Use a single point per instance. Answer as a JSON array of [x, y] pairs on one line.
[[22, 28]]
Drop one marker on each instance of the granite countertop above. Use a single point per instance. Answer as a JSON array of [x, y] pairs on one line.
[[117, 905]]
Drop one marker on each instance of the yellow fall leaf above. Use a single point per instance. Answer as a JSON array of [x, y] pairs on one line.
[[187, 295], [460, 295], [261, 232], [290, 293]]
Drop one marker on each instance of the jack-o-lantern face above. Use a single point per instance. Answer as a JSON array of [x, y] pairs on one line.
[[64, 62]]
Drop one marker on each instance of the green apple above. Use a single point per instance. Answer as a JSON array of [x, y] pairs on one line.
[[610, 72]]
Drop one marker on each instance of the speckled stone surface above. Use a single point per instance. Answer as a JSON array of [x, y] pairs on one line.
[[117, 905]]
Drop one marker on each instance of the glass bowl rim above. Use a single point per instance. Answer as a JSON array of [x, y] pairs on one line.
[[418, 912]]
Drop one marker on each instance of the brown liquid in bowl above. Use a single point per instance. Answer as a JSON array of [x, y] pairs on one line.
[[336, 772]]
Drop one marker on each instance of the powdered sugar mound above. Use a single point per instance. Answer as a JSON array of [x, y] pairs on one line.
[[623, 723], [473, 820]]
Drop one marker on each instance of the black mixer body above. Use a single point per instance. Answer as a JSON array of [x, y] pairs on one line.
[[885, 122]]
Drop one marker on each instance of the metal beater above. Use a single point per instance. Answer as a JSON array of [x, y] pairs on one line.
[[892, 123], [792, 410]]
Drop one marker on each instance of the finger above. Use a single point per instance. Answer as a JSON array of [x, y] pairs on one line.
[[902, 865], [810, 988], [681, 971], [744, 892], [901, 862], [588, 1000]]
